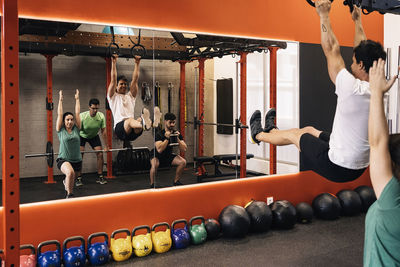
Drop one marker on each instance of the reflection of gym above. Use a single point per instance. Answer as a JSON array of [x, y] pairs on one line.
[[131, 140]]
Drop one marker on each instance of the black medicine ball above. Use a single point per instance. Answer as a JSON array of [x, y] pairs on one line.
[[367, 195], [350, 202], [304, 212], [234, 220], [260, 216], [283, 214], [213, 229], [326, 206]]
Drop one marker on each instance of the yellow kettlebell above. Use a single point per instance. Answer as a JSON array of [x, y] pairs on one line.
[[121, 248], [162, 241], [142, 245]]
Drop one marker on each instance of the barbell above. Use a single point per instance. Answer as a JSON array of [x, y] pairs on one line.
[[238, 125], [49, 155]]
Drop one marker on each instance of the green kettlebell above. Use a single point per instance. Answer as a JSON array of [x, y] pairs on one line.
[[198, 232]]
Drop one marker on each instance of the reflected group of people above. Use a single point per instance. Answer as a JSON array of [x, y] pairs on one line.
[[76, 129]]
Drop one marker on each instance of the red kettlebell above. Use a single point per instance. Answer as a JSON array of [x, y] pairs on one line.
[[27, 260]]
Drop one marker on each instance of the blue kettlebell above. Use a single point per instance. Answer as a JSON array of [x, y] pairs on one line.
[[180, 236], [98, 253], [50, 258], [75, 255]]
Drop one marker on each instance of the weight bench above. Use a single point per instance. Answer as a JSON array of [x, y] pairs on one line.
[[217, 161]]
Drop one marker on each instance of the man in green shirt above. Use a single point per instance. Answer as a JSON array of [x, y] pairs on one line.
[[91, 122], [382, 223]]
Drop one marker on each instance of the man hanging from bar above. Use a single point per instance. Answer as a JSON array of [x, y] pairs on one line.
[[121, 98], [342, 155]]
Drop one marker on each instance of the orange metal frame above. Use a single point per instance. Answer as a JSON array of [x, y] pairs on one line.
[[243, 113], [272, 102], [109, 125], [10, 130], [182, 105]]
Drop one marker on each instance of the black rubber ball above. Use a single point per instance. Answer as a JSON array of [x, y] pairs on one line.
[[260, 216], [213, 229], [367, 196], [350, 202], [283, 214], [304, 212], [326, 206], [234, 221]]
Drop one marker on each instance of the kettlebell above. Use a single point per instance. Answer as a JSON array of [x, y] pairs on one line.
[[142, 244], [180, 236], [162, 239], [75, 255], [121, 248], [50, 258], [98, 253], [198, 232], [27, 260]]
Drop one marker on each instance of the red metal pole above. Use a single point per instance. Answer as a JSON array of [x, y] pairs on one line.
[[10, 131], [272, 103], [109, 125], [243, 113], [201, 107], [49, 71], [182, 105]]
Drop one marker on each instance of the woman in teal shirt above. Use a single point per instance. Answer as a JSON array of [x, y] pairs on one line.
[[69, 159], [382, 224]]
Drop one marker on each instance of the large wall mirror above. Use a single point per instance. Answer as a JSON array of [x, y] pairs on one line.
[[188, 86]]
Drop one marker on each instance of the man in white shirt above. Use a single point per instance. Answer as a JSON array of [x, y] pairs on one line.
[[122, 104], [342, 155]]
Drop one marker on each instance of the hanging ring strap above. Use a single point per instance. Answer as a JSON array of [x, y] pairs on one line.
[[110, 50], [137, 49]]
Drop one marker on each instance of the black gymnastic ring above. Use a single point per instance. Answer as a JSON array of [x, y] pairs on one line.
[[141, 48], [109, 49]]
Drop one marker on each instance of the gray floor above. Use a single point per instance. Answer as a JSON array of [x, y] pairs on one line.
[[321, 243]]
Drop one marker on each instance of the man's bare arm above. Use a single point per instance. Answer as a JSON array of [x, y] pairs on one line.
[[359, 34], [112, 87], [135, 77], [329, 43]]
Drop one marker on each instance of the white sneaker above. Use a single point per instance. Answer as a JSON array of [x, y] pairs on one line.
[[157, 117], [146, 119]]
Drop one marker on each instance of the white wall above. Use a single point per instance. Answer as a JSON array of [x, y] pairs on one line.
[[258, 98], [392, 41]]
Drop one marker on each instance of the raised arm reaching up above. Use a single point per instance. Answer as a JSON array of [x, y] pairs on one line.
[[359, 34], [329, 43], [112, 87], [77, 110], [135, 77], [59, 121], [381, 163]]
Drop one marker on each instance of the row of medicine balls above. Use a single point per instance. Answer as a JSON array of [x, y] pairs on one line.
[[257, 216]]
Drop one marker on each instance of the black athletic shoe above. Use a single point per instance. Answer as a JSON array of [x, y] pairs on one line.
[[177, 183], [151, 185], [270, 120], [69, 196], [255, 126]]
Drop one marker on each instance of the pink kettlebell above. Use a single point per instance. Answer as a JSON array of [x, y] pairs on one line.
[[27, 260]]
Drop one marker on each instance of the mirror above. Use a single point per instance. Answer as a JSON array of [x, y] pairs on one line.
[[196, 77]]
